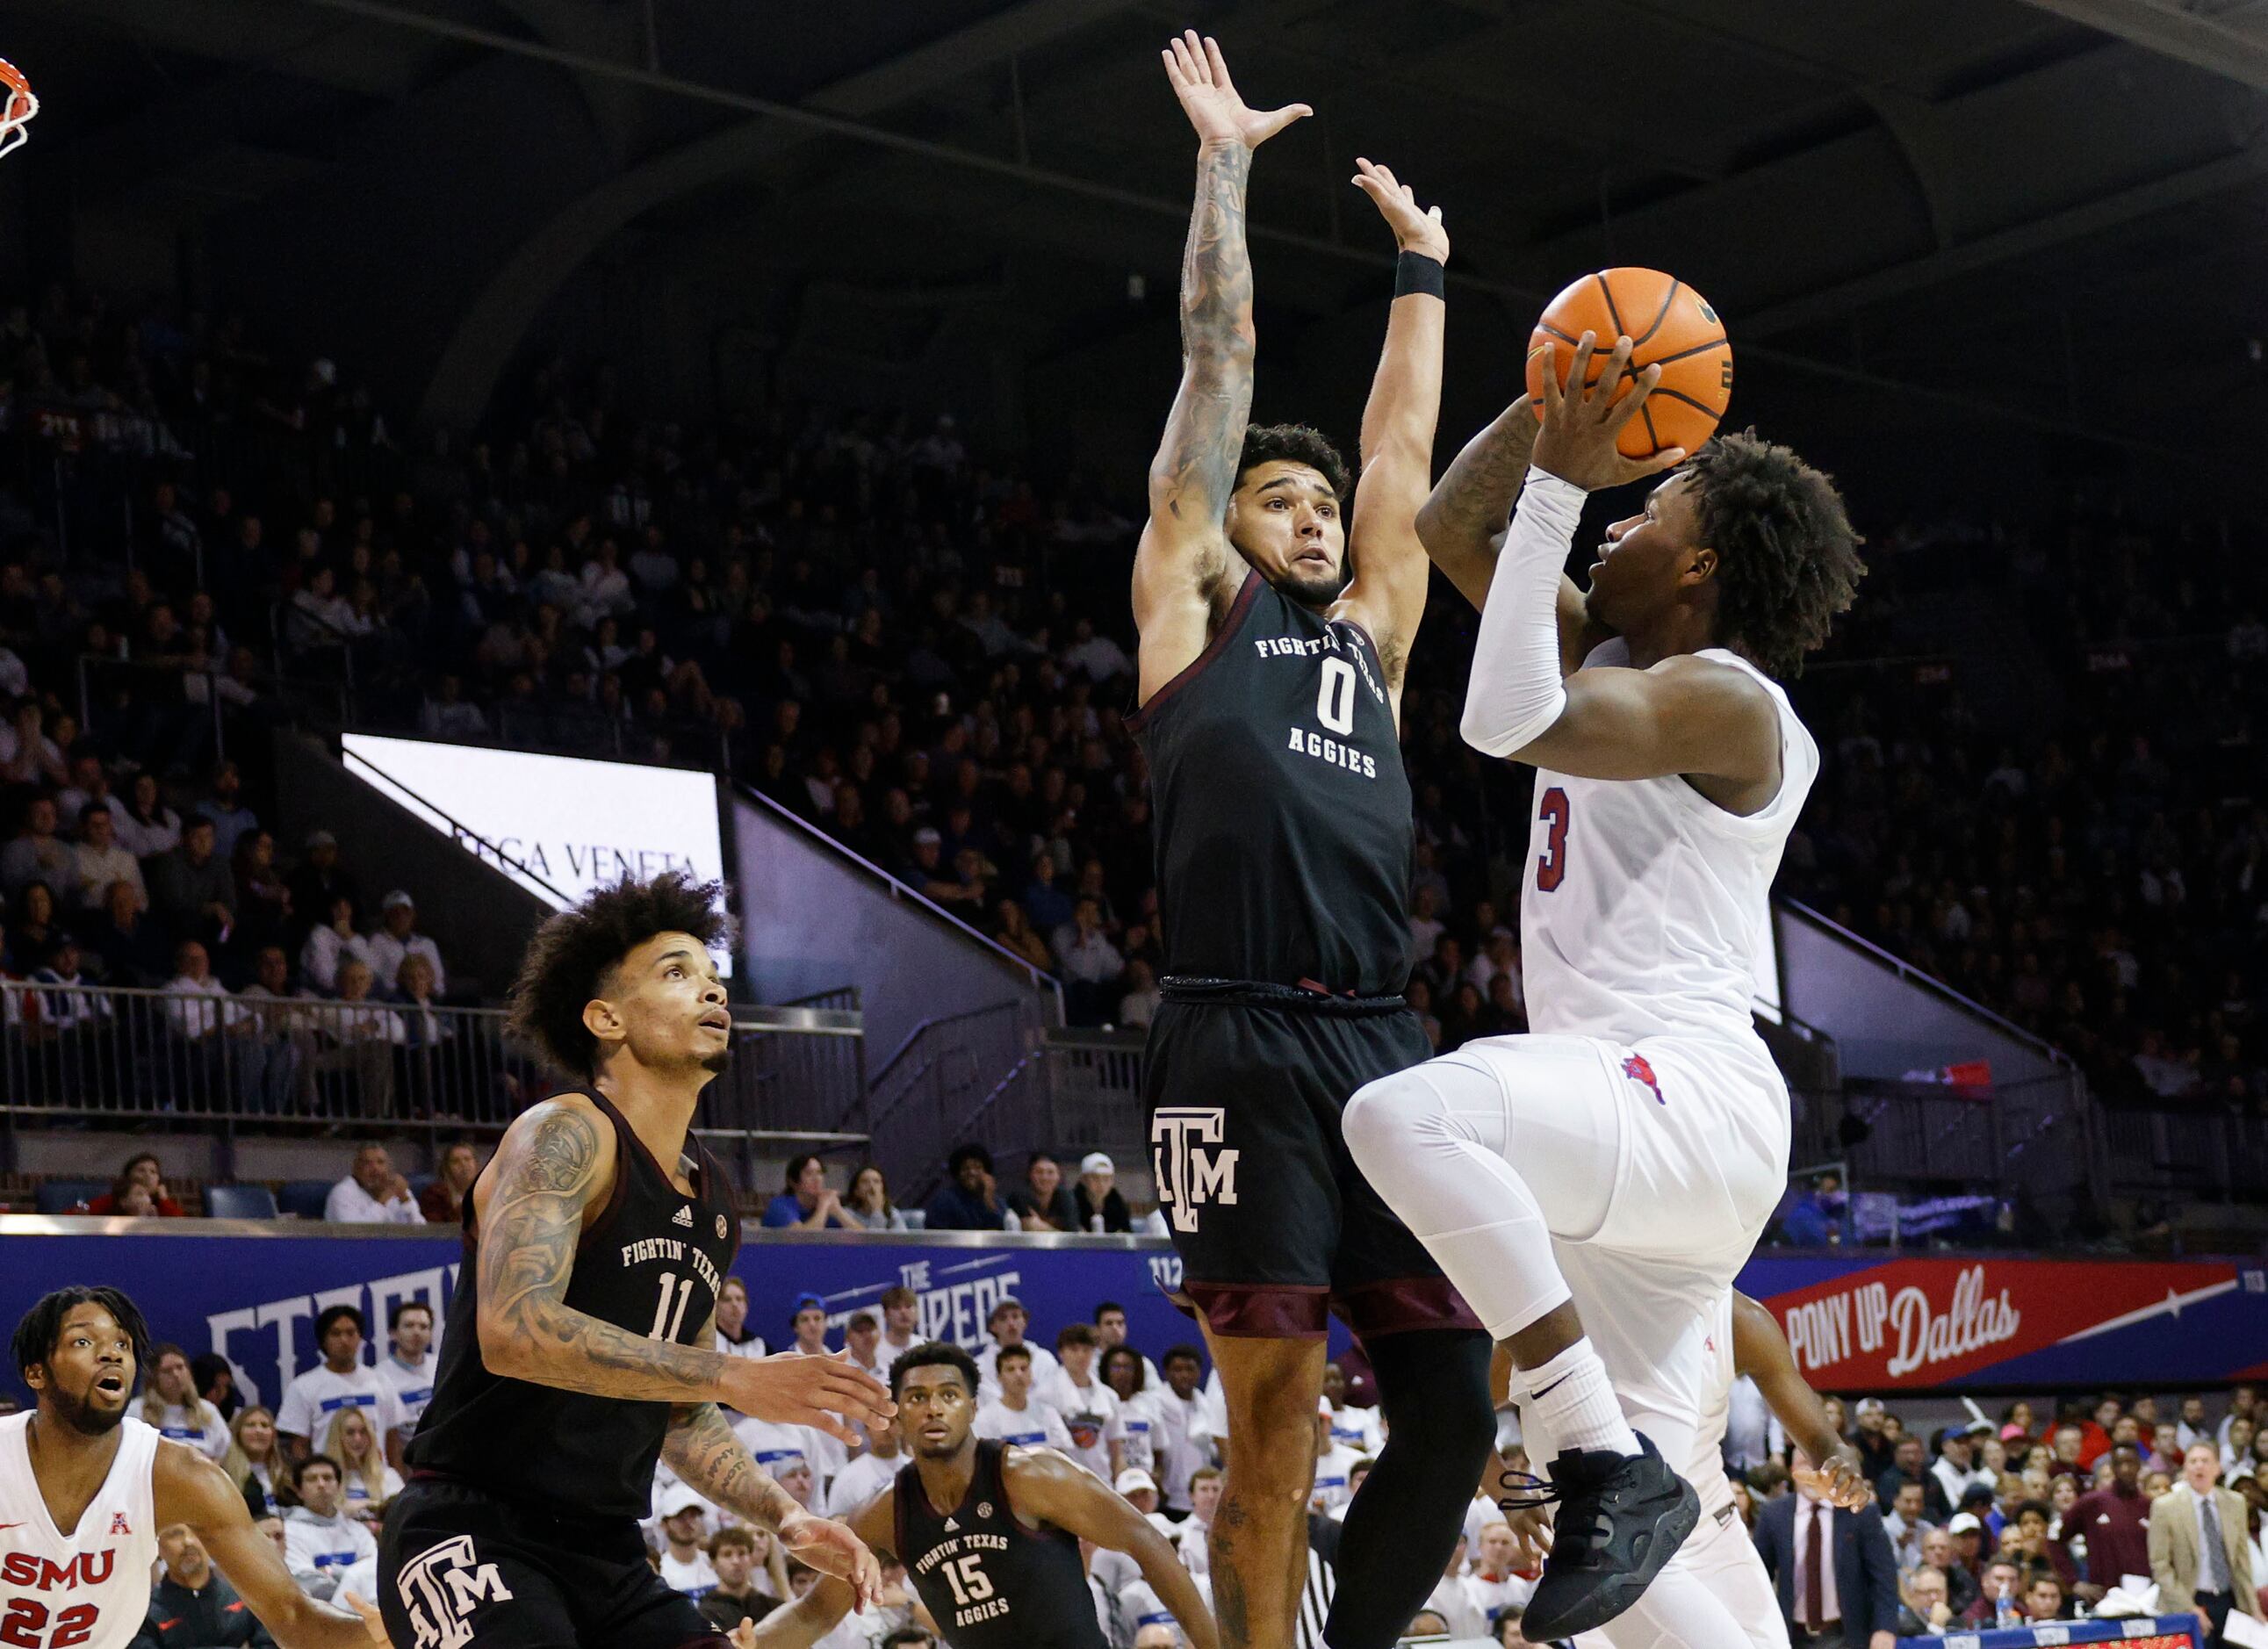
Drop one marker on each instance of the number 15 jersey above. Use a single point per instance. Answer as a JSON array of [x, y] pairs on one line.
[[1645, 903], [652, 1263]]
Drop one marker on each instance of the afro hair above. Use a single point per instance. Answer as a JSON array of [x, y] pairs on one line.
[[574, 955], [1788, 557]]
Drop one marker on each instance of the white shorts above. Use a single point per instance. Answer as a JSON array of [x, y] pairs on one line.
[[1672, 1151]]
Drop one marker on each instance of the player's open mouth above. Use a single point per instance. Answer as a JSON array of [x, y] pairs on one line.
[[115, 1384], [719, 1021]]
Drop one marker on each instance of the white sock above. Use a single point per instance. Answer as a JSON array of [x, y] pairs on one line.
[[1577, 1404]]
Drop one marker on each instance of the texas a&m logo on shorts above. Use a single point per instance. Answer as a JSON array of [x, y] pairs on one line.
[[442, 1586], [1188, 1173]]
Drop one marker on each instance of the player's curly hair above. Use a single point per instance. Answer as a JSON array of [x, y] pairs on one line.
[[1295, 443], [574, 955], [42, 1326], [1787, 556]]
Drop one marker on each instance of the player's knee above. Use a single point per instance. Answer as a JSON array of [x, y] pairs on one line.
[[1383, 1116]]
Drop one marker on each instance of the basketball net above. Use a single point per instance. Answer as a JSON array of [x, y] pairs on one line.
[[17, 106]]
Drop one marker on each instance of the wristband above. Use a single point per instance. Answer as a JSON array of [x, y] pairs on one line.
[[1415, 272]]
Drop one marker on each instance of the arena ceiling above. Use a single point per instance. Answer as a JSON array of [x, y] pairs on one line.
[[2053, 206]]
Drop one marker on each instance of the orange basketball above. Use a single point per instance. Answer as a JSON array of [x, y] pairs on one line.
[[1670, 325]]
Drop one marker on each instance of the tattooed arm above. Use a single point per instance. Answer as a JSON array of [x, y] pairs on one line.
[[1182, 566], [555, 1165], [702, 1450], [1463, 524]]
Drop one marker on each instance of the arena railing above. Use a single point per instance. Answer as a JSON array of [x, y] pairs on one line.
[[76, 1055]]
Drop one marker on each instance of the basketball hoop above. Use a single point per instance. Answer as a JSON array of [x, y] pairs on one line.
[[17, 106]]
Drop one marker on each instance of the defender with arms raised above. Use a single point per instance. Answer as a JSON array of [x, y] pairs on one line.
[[581, 1340], [1644, 1127], [84, 1488], [1271, 686]]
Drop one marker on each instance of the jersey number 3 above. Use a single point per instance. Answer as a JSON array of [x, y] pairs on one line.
[[20, 1629], [1551, 864]]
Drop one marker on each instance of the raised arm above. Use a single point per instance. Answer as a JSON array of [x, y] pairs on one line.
[[702, 1450], [1465, 519], [810, 1617], [1182, 562], [556, 1162], [1761, 1351], [1043, 1486], [189, 1488], [1685, 715], [1388, 590]]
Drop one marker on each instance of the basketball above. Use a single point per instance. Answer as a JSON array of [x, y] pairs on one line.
[[1670, 325]]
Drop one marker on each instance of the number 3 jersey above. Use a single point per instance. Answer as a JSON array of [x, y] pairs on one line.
[[1283, 813], [1643, 911], [651, 1264], [990, 1581], [91, 1587]]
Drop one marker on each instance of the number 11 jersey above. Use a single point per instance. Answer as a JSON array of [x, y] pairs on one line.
[[651, 1264]]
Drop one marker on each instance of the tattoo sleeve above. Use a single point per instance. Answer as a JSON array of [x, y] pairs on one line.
[[702, 1450], [1195, 466], [1473, 501], [527, 1243]]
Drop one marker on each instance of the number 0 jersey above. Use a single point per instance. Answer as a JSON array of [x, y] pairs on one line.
[[92, 1586], [1644, 909], [990, 1581], [652, 1263], [1283, 825]]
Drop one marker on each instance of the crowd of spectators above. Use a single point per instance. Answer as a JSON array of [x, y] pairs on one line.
[[925, 654]]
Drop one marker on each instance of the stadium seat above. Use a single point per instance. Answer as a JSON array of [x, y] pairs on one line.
[[239, 1201], [61, 1196], [303, 1199]]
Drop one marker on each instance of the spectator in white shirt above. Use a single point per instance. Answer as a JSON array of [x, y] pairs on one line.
[[410, 1367], [198, 1005], [734, 1335], [372, 1194], [331, 943], [862, 1340], [1358, 1428], [341, 1381], [1101, 658], [1494, 1585], [1183, 1439], [868, 1475], [901, 1324], [684, 1565], [98, 861], [1449, 1599], [1356, 1473], [321, 1541], [1015, 1416], [367, 1482], [1007, 1321], [171, 1404], [397, 937], [1191, 1538], [1334, 1483], [1089, 1407], [1084, 950], [1110, 1330]]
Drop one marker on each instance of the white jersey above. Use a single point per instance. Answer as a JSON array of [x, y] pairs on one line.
[[91, 1587], [1644, 908]]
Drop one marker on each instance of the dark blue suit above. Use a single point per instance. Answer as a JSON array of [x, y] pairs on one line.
[[1866, 1569]]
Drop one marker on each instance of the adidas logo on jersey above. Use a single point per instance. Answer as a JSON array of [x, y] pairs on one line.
[[952, 1525], [682, 1216]]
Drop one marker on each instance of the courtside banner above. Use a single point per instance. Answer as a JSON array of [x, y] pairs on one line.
[[255, 1298], [1880, 1322]]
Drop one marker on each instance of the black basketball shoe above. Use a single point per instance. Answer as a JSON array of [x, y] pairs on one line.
[[1621, 1518]]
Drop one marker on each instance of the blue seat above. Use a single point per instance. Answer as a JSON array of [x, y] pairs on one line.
[[304, 1198], [61, 1196], [239, 1201]]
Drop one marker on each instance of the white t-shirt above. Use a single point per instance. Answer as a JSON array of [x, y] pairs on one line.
[[1035, 1425], [1090, 1414], [412, 1383], [1358, 1429], [310, 1401], [988, 1379], [1331, 1486], [207, 1434], [354, 1493], [319, 1550], [1488, 1596], [860, 1482], [772, 1446], [1180, 1441], [693, 1576]]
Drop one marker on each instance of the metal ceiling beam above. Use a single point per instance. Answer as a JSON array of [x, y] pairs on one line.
[[2107, 212], [2190, 37]]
